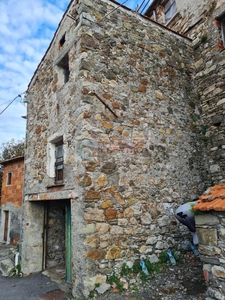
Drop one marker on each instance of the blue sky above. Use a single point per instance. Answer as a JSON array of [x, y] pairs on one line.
[[26, 29]]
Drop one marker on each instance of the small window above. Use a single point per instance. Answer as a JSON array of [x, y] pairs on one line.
[[223, 31], [59, 162], [221, 24], [62, 41], [9, 178], [64, 65], [169, 10]]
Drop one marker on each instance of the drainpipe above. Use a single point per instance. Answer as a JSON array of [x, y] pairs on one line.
[[44, 236], [17, 259], [17, 265]]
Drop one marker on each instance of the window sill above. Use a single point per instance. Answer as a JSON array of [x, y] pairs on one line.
[[60, 184]]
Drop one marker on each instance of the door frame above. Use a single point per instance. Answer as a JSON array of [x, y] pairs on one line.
[[68, 242], [6, 226], [68, 256]]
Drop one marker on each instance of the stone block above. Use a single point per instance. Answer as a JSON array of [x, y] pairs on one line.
[[209, 260], [218, 271], [6, 267], [207, 236], [90, 228], [113, 253], [206, 219], [215, 294], [103, 288]]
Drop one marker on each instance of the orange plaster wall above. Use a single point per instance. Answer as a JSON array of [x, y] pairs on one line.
[[13, 193]]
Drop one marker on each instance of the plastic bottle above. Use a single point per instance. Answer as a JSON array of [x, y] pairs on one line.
[[172, 259], [194, 250], [143, 266]]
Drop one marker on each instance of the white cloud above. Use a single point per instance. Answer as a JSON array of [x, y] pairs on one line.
[[26, 29]]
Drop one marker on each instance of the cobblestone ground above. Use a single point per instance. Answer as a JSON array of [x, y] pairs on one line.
[[184, 281]]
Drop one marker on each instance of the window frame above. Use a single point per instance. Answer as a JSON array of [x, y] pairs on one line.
[[173, 3], [59, 162], [9, 178], [223, 31], [221, 19], [63, 64]]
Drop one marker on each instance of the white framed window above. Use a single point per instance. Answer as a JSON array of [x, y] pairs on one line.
[[59, 166], [55, 159]]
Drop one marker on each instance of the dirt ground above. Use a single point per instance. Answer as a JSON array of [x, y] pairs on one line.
[[184, 281]]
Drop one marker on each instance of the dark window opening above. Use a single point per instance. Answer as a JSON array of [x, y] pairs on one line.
[[59, 166], [64, 64], [62, 41], [9, 178], [221, 25], [169, 10], [57, 110], [66, 71]]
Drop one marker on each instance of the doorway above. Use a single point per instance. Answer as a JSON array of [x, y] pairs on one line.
[[57, 239], [6, 226]]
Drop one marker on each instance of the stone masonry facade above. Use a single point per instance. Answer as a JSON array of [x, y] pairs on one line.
[[209, 77], [198, 21], [134, 142], [211, 233]]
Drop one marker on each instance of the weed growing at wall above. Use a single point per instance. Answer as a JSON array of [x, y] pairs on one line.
[[131, 277]]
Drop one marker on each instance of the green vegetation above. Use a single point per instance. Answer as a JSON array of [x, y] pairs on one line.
[[127, 273], [12, 149], [9, 150], [203, 39], [121, 281], [195, 212]]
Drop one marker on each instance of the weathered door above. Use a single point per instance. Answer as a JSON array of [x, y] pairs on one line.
[[6, 227], [68, 244], [55, 234], [57, 237]]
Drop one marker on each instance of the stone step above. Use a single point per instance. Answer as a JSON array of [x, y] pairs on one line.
[[7, 251]]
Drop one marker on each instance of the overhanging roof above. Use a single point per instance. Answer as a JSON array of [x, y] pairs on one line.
[[4, 162]]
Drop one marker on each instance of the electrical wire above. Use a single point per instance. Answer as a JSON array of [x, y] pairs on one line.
[[12, 102]]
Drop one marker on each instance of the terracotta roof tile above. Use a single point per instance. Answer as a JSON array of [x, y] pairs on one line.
[[212, 199]]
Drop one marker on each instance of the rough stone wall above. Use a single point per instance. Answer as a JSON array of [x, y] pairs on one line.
[[211, 233], [55, 234], [209, 77], [11, 199], [196, 19], [127, 168]]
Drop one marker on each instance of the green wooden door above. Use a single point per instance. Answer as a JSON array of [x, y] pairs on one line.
[[68, 244]]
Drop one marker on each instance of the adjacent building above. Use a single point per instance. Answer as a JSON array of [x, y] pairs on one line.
[[204, 23], [11, 199], [124, 123]]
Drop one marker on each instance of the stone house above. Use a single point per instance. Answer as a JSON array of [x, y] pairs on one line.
[[203, 22], [11, 199], [116, 140], [211, 232]]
